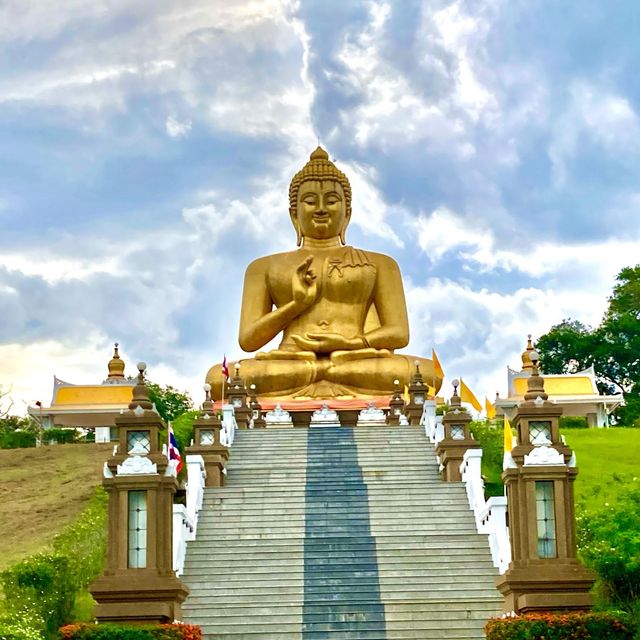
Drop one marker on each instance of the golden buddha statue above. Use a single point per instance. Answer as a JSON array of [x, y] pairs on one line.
[[341, 310]]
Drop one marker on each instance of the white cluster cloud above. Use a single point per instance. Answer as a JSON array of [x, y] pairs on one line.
[[242, 88]]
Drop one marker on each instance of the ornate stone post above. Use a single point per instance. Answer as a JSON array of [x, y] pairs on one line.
[[256, 409], [396, 406], [417, 397], [139, 583], [544, 573], [237, 398], [206, 442], [457, 439]]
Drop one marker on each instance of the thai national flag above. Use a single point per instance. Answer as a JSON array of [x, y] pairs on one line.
[[174, 452], [225, 369]]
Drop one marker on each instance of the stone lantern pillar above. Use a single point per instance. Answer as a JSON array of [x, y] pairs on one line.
[[256, 409], [206, 442], [544, 574], [139, 583], [237, 397], [396, 406], [457, 438], [417, 397]]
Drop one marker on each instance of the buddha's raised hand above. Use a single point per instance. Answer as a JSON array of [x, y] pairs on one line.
[[303, 284]]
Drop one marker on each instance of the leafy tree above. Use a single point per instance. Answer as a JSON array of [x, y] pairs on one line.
[[613, 348], [170, 403]]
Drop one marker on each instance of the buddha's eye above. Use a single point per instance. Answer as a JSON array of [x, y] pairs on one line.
[[310, 200]]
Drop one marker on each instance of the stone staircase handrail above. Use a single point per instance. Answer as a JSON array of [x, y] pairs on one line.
[[490, 515], [185, 518], [196, 476], [229, 425], [183, 530]]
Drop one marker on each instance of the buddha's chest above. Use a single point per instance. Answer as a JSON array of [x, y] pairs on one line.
[[341, 277]]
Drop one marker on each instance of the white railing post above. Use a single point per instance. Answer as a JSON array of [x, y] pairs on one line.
[[495, 522], [438, 431], [182, 531], [490, 515], [428, 418], [196, 475], [229, 425], [470, 470]]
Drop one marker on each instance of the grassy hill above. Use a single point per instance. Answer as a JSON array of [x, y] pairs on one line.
[[41, 491], [606, 459]]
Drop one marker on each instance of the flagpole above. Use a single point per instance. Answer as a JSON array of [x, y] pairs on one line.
[[224, 379]]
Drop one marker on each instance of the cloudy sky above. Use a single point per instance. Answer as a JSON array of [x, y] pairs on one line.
[[146, 148]]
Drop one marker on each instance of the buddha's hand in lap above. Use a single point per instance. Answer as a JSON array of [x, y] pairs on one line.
[[304, 286], [327, 342]]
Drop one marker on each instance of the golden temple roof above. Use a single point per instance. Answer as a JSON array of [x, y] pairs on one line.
[[90, 395], [560, 385]]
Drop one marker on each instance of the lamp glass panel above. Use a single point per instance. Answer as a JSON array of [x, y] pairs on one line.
[[137, 529], [237, 402], [457, 431], [545, 519], [539, 432], [206, 436], [418, 398], [138, 442]]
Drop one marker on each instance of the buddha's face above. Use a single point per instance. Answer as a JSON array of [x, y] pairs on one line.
[[321, 211]]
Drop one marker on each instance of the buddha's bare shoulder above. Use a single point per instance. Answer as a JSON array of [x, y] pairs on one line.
[[381, 260]]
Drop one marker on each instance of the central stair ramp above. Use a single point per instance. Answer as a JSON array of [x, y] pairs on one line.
[[338, 533]]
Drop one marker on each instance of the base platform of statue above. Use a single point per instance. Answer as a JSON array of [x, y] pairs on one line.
[[356, 412]]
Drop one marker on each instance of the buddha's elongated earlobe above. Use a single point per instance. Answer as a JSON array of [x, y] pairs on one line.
[[343, 231], [296, 226]]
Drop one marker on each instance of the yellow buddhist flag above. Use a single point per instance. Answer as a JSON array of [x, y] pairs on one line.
[[405, 395], [431, 391], [490, 409], [508, 435], [466, 395], [437, 367]]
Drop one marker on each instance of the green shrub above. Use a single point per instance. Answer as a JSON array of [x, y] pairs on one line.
[[84, 541], [183, 429], [21, 624], [41, 585], [566, 626], [573, 422], [122, 632], [491, 438], [17, 439], [609, 543], [60, 436]]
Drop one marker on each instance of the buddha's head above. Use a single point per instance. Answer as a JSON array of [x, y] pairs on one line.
[[320, 199]]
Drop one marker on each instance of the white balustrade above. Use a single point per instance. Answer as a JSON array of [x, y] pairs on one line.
[[196, 476], [183, 530], [229, 425], [185, 519], [490, 515]]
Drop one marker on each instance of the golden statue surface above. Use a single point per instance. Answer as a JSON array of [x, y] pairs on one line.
[[341, 310]]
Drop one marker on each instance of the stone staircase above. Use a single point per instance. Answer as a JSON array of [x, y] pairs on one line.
[[338, 533]]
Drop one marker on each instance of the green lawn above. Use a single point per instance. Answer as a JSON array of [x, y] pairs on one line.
[[606, 460]]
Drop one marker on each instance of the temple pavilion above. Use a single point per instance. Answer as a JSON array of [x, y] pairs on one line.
[[577, 393], [89, 406]]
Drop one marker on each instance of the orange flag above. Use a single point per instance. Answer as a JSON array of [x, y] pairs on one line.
[[466, 395], [490, 409], [437, 367]]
